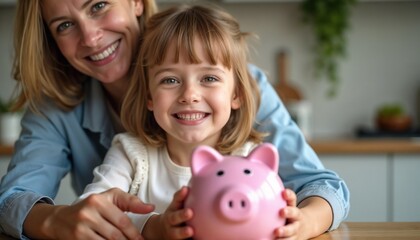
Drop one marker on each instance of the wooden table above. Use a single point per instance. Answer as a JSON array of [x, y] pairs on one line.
[[368, 231], [374, 230]]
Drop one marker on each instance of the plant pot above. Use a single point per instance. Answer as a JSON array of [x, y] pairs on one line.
[[9, 128], [394, 123]]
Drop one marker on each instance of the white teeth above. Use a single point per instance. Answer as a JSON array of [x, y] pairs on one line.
[[105, 53], [191, 117]]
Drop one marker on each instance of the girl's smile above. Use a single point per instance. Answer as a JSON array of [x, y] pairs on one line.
[[190, 117]]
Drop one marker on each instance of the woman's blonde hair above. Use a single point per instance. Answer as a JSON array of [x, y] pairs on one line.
[[39, 67], [223, 42]]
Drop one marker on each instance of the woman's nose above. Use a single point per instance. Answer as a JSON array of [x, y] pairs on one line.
[[190, 94], [91, 33]]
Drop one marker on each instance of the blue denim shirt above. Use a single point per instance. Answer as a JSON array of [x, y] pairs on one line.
[[60, 142]]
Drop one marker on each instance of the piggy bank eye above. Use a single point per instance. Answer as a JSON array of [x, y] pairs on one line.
[[247, 171], [220, 173]]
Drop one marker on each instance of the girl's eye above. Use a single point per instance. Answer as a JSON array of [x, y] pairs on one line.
[[98, 6], [63, 26], [170, 81], [210, 79]]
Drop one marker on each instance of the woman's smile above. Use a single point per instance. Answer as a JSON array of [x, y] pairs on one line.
[[106, 53]]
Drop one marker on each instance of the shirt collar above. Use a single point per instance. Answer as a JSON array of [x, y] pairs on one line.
[[96, 116]]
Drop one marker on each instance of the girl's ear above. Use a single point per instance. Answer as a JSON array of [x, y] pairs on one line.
[[138, 7], [236, 101]]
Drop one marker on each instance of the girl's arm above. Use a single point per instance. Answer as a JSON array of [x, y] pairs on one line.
[[171, 224], [311, 218]]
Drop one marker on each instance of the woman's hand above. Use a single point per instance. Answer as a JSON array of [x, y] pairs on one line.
[[312, 218], [98, 216], [171, 224]]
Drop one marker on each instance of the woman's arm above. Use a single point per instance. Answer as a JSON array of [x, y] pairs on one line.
[[99, 214], [40, 161], [99, 211], [49, 147], [300, 168]]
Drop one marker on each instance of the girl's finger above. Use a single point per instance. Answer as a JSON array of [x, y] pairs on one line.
[[290, 197], [178, 199], [287, 231], [290, 213], [182, 232], [179, 217]]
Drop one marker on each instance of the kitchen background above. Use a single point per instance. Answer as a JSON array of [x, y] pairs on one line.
[[382, 65]]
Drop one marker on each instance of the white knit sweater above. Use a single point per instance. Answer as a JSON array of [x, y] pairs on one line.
[[145, 171]]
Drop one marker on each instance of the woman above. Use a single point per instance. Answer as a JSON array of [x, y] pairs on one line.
[[72, 64]]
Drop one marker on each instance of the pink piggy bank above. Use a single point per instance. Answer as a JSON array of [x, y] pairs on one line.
[[235, 197]]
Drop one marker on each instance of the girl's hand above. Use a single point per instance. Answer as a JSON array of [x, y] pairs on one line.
[[293, 216], [311, 218], [98, 216], [171, 224]]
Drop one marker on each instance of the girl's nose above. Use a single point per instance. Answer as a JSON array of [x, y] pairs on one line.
[[190, 94], [91, 33]]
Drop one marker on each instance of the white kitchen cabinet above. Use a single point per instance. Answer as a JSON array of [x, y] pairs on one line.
[[367, 179], [383, 187], [406, 187], [291, 1], [7, 2]]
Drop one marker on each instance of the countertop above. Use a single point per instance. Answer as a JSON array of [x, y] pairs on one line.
[[6, 150], [366, 146], [342, 146], [374, 230]]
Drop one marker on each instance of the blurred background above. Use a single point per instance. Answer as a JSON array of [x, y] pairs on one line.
[[382, 66]]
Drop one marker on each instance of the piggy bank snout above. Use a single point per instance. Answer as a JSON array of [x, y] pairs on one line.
[[237, 203]]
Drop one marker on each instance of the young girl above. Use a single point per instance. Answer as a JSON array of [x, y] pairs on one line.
[[191, 87]]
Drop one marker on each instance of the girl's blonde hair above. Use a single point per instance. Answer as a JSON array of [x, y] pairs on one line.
[[223, 42], [39, 67]]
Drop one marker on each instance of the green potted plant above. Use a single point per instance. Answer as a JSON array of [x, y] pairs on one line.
[[392, 117], [329, 20], [4, 107], [9, 123]]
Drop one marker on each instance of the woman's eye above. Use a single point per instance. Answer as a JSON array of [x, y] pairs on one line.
[[63, 26], [98, 6]]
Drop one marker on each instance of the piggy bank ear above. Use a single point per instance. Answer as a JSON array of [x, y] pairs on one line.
[[267, 154], [203, 156]]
